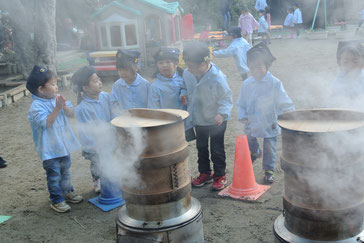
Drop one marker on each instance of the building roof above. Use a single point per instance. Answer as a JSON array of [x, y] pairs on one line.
[[166, 7]]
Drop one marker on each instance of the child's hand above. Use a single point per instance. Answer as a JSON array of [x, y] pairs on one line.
[[219, 119], [63, 99], [60, 102], [184, 100]]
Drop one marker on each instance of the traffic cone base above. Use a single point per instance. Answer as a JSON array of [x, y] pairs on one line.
[[244, 186], [244, 194]]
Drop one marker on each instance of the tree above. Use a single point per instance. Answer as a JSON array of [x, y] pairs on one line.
[[34, 32]]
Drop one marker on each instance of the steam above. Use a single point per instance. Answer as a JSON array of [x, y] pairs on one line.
[[118, 151]]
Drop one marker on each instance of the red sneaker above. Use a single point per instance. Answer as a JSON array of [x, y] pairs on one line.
[[202, 179], [219, 183]]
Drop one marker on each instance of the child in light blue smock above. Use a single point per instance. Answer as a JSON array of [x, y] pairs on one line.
[[347, 91], [131, 90], [53, 137], [166, 88], [208, 97], [262, 99], [237, 49], [288, 22], [263, 27], [93, 113]]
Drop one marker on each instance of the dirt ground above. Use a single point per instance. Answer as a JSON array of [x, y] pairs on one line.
[[304, 66]]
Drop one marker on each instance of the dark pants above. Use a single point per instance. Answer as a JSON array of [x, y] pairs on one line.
[[58, 178], [244, 76], [94, 164], [297, 28], [216, 135]]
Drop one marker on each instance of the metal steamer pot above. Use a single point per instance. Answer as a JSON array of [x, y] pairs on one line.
[[161, 209], [323, 163]]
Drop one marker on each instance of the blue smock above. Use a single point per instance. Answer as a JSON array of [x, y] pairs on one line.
[[237, 49], [263, 25], [289, 20], [261, 102], [207, 97], [91, 115], [165, 92], [127, 96], [56, 141]]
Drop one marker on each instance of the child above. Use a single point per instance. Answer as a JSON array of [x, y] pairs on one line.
[[260, 5], [53, 137], [131, 90], [288, 22], [238, 49], [247, 24], [262, 99], [269, 21], [208, 97], [166, 88], [93, 109], [348, 89], [263, 27], [3, 163], [297, 19]]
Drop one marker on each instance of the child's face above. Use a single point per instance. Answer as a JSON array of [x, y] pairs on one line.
[[197, 69], [258, 70], [94, 86], [128, 73], [50, 89], [350, 63], [167, 68]]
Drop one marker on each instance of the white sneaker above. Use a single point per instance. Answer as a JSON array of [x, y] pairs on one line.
[[72, 197], [97, 186], [61, 207]]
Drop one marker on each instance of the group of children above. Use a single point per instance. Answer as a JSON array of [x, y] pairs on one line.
[[293, 21], [202, 89]]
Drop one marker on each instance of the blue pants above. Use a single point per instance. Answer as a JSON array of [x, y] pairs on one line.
[[58, 178], [269, 150]]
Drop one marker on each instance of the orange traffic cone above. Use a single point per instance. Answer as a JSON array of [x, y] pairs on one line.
[[244, 186]]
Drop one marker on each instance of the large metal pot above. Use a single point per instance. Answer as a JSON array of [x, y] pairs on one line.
[[163, 204], [323, 163]]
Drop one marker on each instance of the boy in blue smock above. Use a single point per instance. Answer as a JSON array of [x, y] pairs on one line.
[[131, 90], [262, 99], [237, 49], [263, 27], [288, 22], [208, 97], [348, 88], [53, 137], [93, 112], [166, 88]]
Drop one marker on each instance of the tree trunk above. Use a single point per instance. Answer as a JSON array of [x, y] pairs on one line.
[[45, 33], [37, 18]]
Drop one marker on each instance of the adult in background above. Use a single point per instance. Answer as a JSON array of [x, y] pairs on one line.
[[225, 12], [261, 5], [237, 49], [297, 18]]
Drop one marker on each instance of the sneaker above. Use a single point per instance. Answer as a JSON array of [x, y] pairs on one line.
[[97, 186], [61, 207], [72, 197], [3, 163], [202, 179], [219, 183], [269, 177], [255, 156]]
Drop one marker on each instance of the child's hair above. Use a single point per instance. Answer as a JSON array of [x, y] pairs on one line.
[[291, 10], [244, 9], [354, 47], [38, 77], [260, 52], [197, 52], [296, 5], [127, 58], [267, 10], [82, 78]]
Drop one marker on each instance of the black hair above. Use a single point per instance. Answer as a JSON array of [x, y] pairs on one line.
[[354, 47], [261, 11], [260, 52], [197, 52], [42, 81], [296, 5], [82, 78], [291, 10], [267, 9]]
